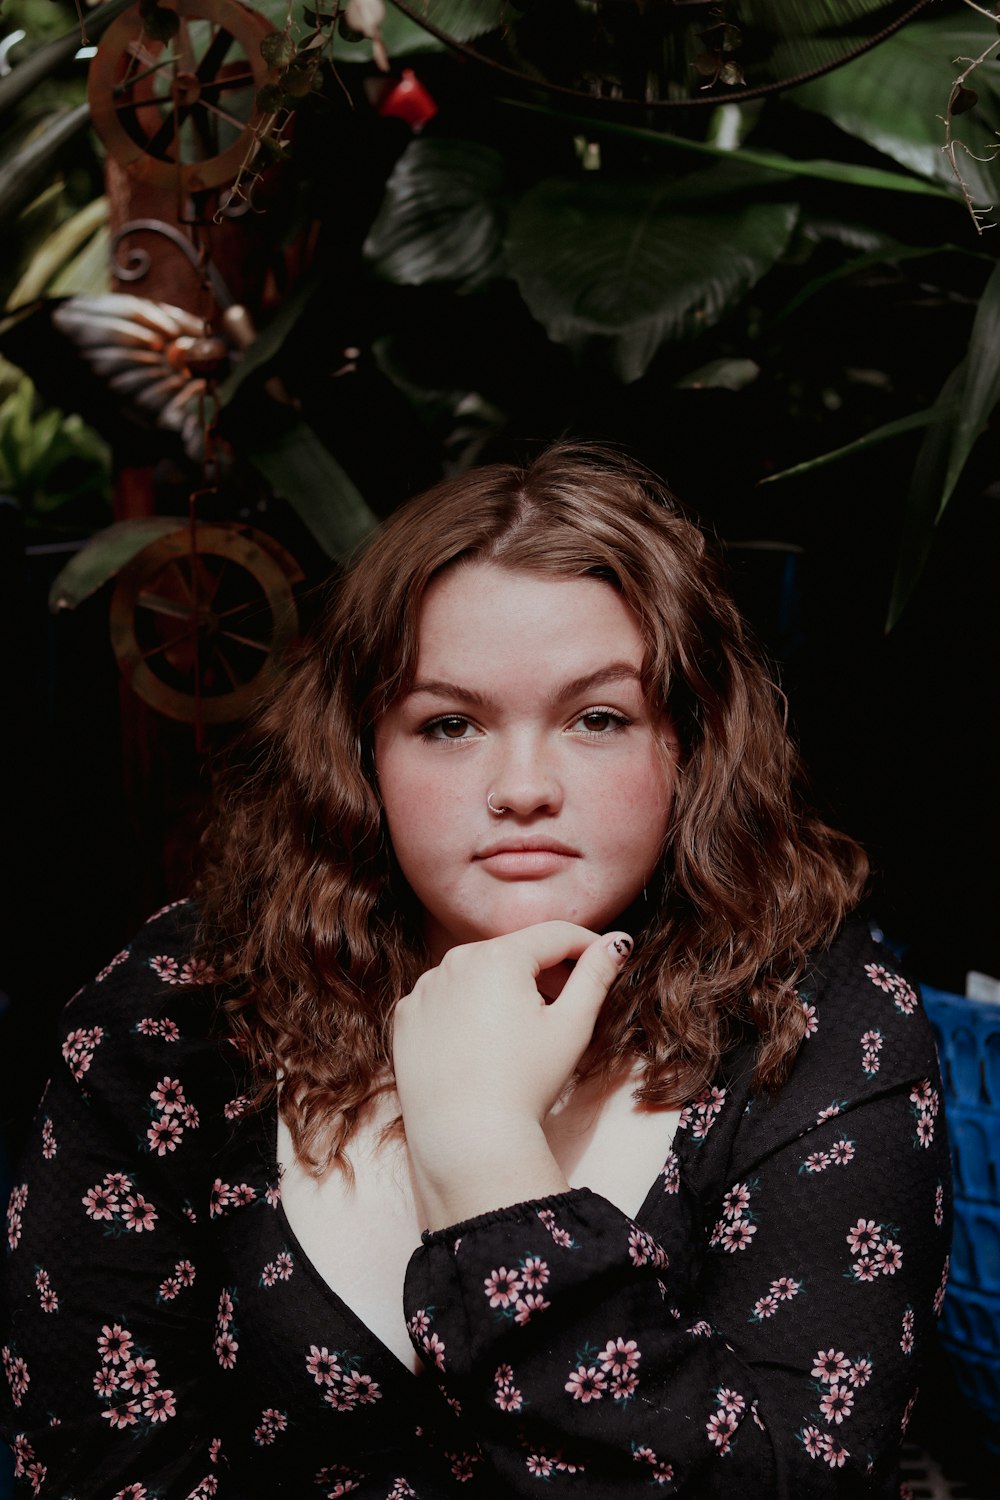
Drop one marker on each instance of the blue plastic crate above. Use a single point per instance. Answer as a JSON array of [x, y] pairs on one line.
[[968, 1038]]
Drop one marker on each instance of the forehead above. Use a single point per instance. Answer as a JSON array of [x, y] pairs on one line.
[[485, 611]]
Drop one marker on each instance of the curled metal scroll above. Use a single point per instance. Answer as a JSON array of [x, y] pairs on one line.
[[138, 261]]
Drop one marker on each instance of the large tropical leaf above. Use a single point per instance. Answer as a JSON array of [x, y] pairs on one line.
[[893, 99], [104, 555], [633, 264], [439, 219], [982, 386], [403, 36], [26, 168]]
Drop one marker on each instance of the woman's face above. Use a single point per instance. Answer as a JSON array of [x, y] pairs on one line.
[[527, 688]]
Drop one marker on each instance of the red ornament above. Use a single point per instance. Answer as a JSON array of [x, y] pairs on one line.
[[406, 99]]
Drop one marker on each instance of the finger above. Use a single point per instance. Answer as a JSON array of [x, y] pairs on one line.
[[595, 973], [548, 943]]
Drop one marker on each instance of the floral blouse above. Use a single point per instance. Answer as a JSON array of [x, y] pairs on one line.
[[756, 1329]]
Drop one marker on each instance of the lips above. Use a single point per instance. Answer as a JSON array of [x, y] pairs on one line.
[[526, 858]]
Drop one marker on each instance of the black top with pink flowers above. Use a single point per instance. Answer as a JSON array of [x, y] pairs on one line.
[[756, 1329]]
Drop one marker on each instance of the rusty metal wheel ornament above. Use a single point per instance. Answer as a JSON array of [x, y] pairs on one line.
[[180, 114], [199, 625]]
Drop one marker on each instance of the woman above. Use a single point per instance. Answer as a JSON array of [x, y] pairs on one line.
[[527, 946]]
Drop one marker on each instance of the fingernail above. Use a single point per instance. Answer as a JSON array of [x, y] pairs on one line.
[[620, 947]]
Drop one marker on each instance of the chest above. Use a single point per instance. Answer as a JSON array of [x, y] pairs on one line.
[[360, 1235]]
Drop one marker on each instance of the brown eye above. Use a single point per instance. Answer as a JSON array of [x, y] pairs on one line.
[[453, 729], [450, 727], [595, 722]]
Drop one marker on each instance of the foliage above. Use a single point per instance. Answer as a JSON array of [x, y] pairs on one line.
[[48, 460]]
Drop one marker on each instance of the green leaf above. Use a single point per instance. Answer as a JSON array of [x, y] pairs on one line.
[[58, 250], [303, 471], [982, 385], [25, 169], [104, 555], [632, 264], [911, 423], [894, 96], [267, 345], [404, 37], [720, 374], [826, 171], [439, 219], [923, 500]]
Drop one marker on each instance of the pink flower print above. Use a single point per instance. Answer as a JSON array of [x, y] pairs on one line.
[[872, 1041], [812, 1441], [889, 1258], [737, 1235], [35, 1473], [731, 1401], [269, 1275], [830, 1366], [138, 1213], [49, 1144], [671, 1173], [643, 1249], [273, 1194], [785, 1288], [126, 1414], [925, 1131], [185, 1272], [196, 971], [165, 968], [818, 1161], [164, 1135], [586, 1383], [764, 1307], [48, 1300], [418, 1324], [225, 1350], [169, 1030], [812, 1022], [24, 1453], [100, 1203], [865, 1235], [105, 1381], [119, 958], [538, 1465], [904, 1420], [939, 1205], [219, 1199], [284, 1265], [830, 1113], [190, 1117], [14, 1225], [624, 1386], [434, 1348], [323, 1366], [942, 1286], [842, 1152], [720, 1428], [534, 1273], [904, 997], [864, 1269], [925, 1097], [132, 1492], [502, 1287], [147, 1026], [619, 1356], [168, 1095], [214, 1449], [362, 1387], [736, 1201], [701, 1329], [169, 1289], [18, 1377], [140, 1376], [880, 977], [79, 1047], [508, 1398], [340, 1398], [224, 1316], [239, 1197], [860, 1373], [906, 1337], [834, 1451], [235, 1107], [837, 1403], [870, 1063], [531, 1302], [117, 1183], [114, 1344]]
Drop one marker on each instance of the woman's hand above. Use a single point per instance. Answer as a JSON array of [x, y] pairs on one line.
[[480, 1058]]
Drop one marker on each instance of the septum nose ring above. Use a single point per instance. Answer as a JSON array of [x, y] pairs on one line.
[[496, 811]]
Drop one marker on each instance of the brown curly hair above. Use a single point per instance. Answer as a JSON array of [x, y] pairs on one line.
[[305, 914]]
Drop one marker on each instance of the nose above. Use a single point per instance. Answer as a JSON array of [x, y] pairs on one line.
[[526, 781]]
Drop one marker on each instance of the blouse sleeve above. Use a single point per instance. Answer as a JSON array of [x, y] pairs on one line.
[[107, 1350], [771, 1349]]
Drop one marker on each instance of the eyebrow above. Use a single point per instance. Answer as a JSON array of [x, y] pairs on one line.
[[616, 671]]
